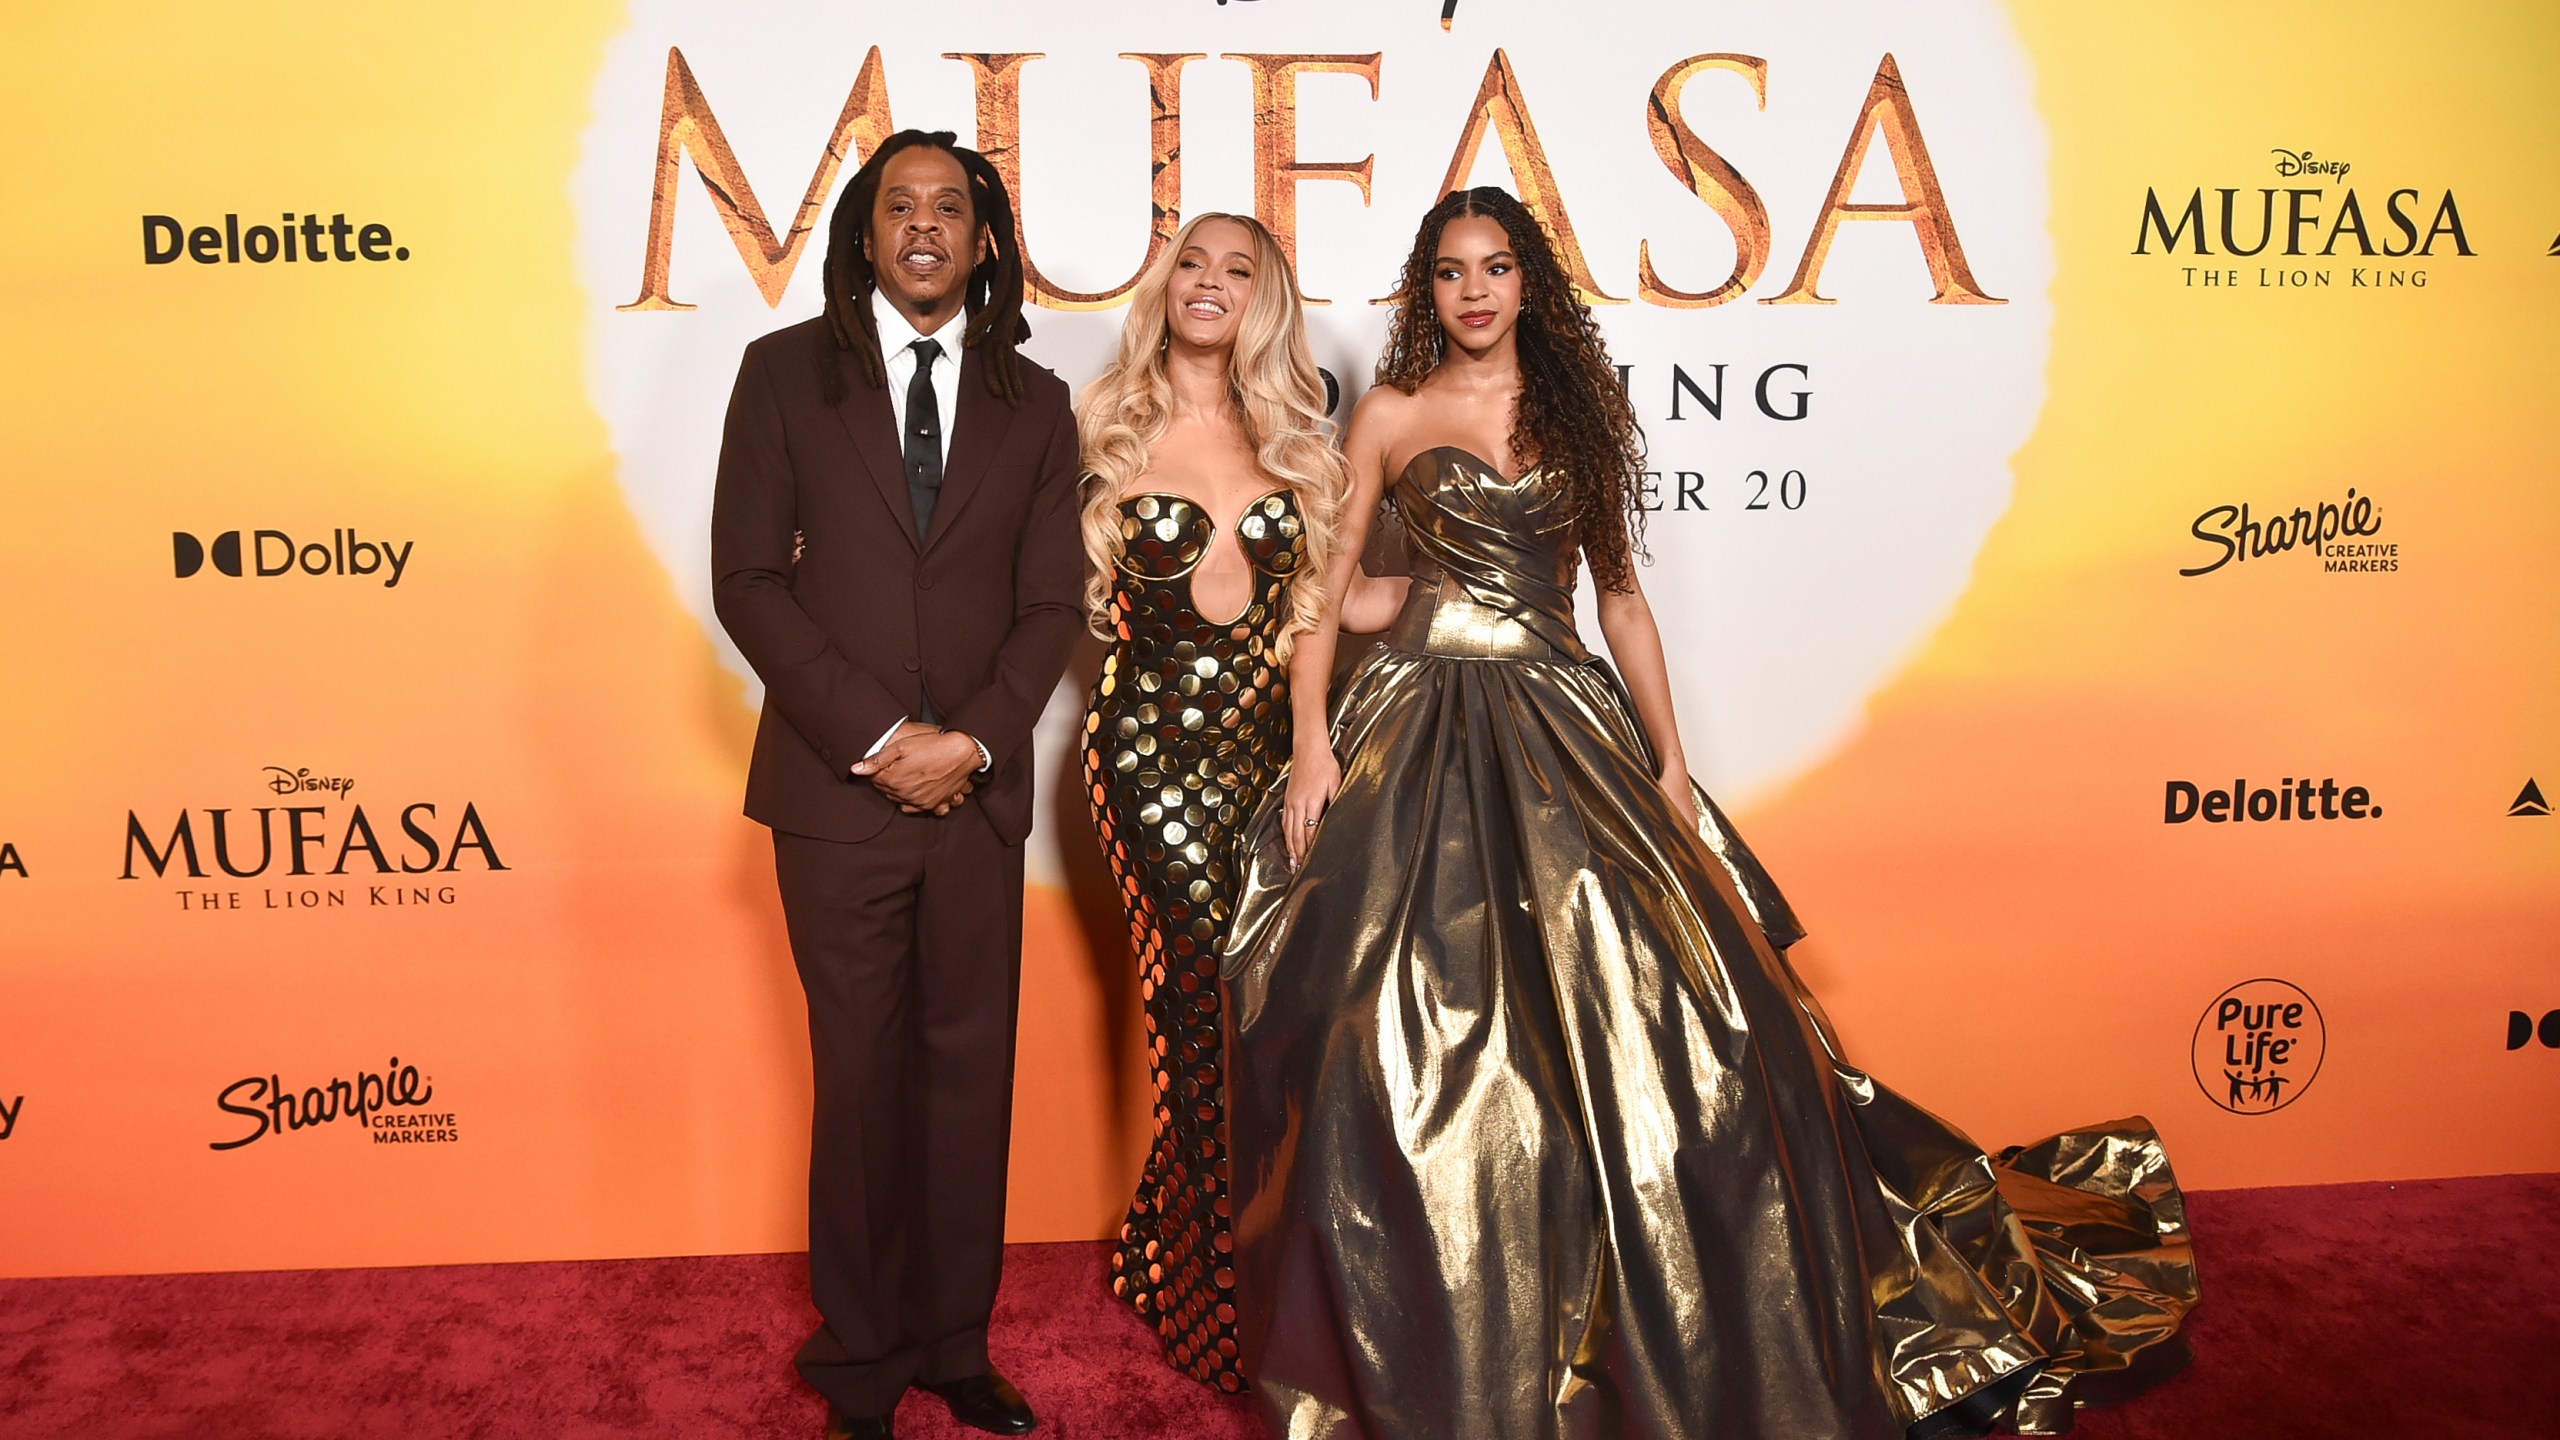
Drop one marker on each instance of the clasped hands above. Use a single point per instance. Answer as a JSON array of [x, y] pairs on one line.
[[924, 769]]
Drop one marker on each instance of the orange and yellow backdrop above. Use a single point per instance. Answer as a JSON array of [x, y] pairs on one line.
[[1921, 561]]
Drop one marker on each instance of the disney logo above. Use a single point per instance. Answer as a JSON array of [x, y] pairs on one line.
[[2289, 162], [293, 782]]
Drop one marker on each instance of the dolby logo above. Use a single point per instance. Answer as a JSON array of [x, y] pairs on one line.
[[271, 553]]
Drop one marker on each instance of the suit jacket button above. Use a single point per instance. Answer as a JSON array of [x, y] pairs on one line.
[[924, 582], [913, 665]]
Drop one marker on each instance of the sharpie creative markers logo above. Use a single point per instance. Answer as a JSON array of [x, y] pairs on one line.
[[292, 240], [2339, 532], [2259, 1046], [2287, 799], [378, 1101], [270, 553]]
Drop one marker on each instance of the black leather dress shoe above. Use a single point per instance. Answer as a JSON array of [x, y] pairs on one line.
[[988, 1402], [841, 1426]]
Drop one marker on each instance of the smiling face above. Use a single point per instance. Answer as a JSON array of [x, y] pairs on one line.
[[1475, 283], [1212, 286], [924, 237]]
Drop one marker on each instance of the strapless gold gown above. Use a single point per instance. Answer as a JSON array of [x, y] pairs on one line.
[[1535, 1132]]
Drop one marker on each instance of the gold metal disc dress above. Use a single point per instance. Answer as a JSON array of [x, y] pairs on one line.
[[1536, 1134], [1188, 729]]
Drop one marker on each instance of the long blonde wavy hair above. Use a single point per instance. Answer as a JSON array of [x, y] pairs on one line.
[[1277, 394]]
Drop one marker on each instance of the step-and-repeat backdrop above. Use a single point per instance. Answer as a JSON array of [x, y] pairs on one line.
[[2102, 516]]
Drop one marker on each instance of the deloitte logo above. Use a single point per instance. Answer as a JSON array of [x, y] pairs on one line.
[[2288, 799], [271, 553]]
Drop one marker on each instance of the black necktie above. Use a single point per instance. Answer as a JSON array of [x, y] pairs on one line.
[[923, 437]]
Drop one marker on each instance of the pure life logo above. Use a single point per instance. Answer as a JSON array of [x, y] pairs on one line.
[[272, 553]]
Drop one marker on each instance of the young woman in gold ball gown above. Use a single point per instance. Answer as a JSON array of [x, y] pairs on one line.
[[1536, 1133]]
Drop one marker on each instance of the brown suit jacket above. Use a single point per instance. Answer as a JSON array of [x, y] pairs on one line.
[[980, 615]]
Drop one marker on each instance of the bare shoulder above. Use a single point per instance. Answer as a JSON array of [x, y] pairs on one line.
[[1380, 404], [1378, 421]]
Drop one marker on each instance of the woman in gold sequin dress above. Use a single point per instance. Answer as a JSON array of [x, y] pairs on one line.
[[1536, 1133], [1213, 488]]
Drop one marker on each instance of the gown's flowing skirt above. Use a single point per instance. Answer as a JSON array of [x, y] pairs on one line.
[[1537, 1134]]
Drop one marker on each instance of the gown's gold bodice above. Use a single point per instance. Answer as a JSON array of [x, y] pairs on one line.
[[1493, 561]]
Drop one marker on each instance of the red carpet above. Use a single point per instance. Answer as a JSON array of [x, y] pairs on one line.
[[2347, 1312]]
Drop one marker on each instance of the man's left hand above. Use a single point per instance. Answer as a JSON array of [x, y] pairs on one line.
[[929, 774]]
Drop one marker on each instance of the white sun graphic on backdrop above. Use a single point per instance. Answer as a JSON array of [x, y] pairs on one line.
[[1828, 473]]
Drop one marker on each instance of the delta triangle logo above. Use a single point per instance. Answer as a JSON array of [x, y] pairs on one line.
[[2529, 801]]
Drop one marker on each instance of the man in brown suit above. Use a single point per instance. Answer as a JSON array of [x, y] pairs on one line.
[[894, 549]]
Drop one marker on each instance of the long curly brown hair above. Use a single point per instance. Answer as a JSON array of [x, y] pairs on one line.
[[1572, 417]]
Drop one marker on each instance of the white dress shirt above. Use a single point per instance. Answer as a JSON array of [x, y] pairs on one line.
[[899, 360], [895, 336]]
